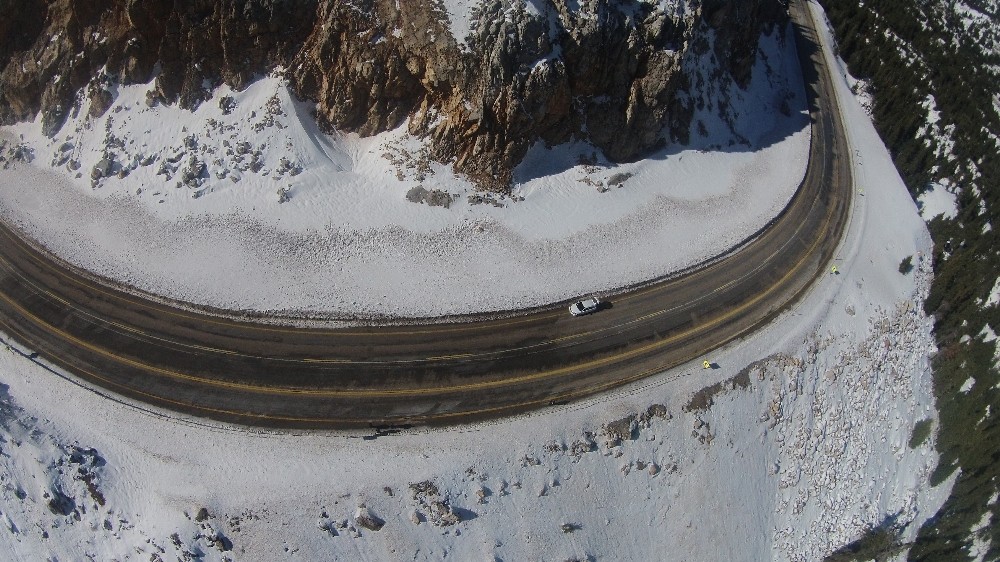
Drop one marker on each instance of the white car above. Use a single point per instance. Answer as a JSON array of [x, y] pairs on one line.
[[585, 306]]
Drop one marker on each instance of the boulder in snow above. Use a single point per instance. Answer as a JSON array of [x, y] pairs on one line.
[[102, 169]]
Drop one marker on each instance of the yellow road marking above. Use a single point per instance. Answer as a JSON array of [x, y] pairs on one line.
[[132, 330], [95, 285], [456, 356], [154, 399], [376, 393], [326, 360]]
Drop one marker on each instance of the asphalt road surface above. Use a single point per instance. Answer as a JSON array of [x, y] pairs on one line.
[[430, 373]]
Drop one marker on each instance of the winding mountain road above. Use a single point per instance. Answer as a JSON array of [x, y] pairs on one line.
[[430, 373]]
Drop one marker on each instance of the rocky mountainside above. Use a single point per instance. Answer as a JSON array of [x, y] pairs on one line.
[[625, 76]]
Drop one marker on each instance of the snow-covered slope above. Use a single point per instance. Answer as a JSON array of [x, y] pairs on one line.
[[178, 203], [802, 448]]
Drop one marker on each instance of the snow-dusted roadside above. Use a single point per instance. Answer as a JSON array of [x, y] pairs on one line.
[[198, 204], [799, 463], [804, 459]]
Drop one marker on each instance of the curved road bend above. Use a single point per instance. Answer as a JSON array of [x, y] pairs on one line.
[[266, 375]]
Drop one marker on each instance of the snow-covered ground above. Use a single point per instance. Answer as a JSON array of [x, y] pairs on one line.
[[460, 17], [181, 203], [804, 450], [938, 200]]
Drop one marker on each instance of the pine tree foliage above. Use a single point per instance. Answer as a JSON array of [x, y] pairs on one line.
[[933, 69]]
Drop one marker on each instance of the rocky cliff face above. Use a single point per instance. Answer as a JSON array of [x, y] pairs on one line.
[[613, 73]]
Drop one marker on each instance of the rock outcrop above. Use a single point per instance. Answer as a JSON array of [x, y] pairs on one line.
[[615, 74], [57, 49]]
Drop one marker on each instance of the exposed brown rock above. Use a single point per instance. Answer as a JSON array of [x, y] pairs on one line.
[[100, 101], [608, 74], [192, 44]]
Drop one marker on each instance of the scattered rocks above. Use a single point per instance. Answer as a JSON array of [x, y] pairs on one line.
[[59, 503], [656, 411], [433, 198], [243, 147], [257, 163], [368, 520], [702, 431], [620, 430], [438, 509], [217, 540], [601, 188], [62, 155], [272, 109], [554, 447], [619, 179], [327, 526], [407, 164], [528, 460], [20, 152], [227, 104], [102, 169], [584, 445], [286, 166], [704, 398], [100, 101], [485, 199], [195, 173]]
